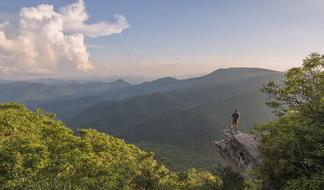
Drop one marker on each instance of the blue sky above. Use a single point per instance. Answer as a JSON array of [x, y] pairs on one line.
[[186, 37]]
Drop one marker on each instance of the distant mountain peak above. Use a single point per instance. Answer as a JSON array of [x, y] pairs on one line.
[[166, 79], [241, 71], [120, 82], [244, 69]]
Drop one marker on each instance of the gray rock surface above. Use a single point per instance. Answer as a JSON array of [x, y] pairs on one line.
[[239, 150]]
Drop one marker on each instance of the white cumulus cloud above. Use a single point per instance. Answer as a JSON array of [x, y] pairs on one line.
[[75, 15], [48, 41], [4, 24]]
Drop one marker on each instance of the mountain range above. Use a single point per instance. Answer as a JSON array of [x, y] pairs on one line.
[[176, 119]]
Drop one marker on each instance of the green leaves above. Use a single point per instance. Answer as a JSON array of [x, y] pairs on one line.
[[293, 145], [302, 89], [38, 152]]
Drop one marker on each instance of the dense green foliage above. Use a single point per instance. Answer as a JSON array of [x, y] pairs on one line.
[[38, 152], [293, 145], [231, 179]]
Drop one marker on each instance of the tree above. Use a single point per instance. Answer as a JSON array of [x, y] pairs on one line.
[[231, 179], [195, 180], [302, 90], [293, 145], [39, 152]]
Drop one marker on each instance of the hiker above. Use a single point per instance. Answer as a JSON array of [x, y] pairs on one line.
[[235, 119]]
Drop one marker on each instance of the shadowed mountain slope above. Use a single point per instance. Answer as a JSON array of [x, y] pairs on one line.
[[187, 118]]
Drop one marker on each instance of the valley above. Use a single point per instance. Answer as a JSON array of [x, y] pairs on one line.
[[176, 119]]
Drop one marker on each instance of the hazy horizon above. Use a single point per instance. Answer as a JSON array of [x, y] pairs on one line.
[[94, 39], [133, 79]]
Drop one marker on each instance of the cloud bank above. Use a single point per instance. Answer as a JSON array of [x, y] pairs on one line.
[[48, 41]]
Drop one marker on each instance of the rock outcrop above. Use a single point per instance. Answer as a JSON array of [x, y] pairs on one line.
[[239, 150]]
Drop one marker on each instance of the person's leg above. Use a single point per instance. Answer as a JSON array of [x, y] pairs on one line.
[[235, 126], [232, 126]]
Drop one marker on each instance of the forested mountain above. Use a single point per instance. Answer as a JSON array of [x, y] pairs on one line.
[[67, 107], [176, 119], [183, 122]]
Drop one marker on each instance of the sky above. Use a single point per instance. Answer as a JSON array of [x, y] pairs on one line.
[[153, 38]]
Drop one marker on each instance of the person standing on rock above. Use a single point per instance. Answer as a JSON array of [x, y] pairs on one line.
[[235, 120]]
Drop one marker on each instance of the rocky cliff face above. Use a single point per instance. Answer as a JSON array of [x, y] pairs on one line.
[[239, 150]]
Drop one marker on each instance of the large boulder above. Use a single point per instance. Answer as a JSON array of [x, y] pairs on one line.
[[239, 150]]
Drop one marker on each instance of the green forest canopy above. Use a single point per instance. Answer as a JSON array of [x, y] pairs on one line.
[[38, 152]]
